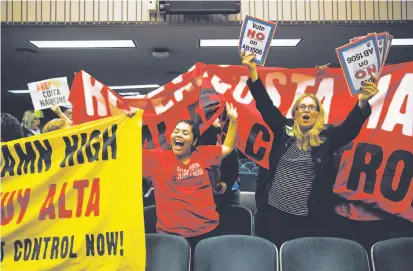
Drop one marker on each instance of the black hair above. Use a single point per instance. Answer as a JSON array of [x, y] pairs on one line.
[[194, 127], [11, 128]]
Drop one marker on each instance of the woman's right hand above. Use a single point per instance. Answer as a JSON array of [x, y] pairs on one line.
[[247, 60]]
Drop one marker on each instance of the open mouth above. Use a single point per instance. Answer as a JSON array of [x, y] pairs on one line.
[[306, 117], [178, 143]]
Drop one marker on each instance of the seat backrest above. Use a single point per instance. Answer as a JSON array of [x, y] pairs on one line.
[[323, 254], [393, 254], [248, 181], [250, 165], [167, 252], [248, 201], [243, 161], [234, 219], [236, 253], [243, 169], [255, 170], [150, 217]]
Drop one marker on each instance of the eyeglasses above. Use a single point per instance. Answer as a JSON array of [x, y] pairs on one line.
[[311, 107]]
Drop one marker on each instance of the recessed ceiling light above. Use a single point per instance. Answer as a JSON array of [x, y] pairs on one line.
[[134, 86], [128, 93], [83, 43], [402, 42], [235, 42], [19, 91], [285, 42]]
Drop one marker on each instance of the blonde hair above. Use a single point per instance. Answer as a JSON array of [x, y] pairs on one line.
[[312, 137], [28, 119], [55, 124]]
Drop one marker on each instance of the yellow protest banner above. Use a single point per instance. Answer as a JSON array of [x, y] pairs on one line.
[[72, 199]]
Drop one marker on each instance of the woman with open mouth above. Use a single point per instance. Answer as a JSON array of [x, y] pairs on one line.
[[183, 193], [295, 199]]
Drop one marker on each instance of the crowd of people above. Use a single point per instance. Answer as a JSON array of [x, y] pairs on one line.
[[294, 196], [12, 129]]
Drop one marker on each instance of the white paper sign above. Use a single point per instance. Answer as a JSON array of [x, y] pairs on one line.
[[255, 37], [388, 45], [49, 92], [360, 60], [382, 39]]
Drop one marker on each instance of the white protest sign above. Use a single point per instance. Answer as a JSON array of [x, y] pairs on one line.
[[388, 45], [255, 37], [49, 92], [382, 39], [359, 60]]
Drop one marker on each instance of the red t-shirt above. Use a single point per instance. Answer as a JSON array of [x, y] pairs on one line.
[[183, 193]]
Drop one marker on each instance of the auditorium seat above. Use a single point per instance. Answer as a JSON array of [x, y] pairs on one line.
[[243, 161], [248, 181], [393, 254], [167, 252], [243, 169], [255, 170], [250, 165], [323, 254], [236, 253], [234, 219], [150, 218], [248, 201]]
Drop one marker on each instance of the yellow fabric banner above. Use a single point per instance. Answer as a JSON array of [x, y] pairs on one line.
[[72, 199]]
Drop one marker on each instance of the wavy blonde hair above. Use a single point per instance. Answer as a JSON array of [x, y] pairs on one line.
[[312, 137]]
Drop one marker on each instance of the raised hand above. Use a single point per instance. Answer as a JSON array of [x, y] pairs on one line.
[[322, 67], [130, 113], [247, 59], [231, 112], [368, 91], [56, 109]]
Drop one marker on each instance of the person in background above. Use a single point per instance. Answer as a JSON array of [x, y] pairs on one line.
[[296, 196], [68, 113], [54, 125], [227, 192], [230, 176], [183, 192], [31, 122], [11, 128], [66, 116]]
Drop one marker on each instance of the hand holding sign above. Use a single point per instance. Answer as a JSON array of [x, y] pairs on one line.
[[368, 91], [360, 60], [247, 60], [256, 36]]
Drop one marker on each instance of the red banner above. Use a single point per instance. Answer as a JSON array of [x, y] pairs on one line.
[[376, 168]]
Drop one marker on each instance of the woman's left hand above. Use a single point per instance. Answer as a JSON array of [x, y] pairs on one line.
[[368, 91], [130, 113], [231, 112]]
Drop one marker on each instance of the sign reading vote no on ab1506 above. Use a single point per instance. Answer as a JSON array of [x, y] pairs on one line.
[[256, 36]]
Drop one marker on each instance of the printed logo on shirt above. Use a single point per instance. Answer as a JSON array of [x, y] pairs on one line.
[[194, 170]]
